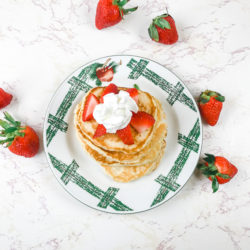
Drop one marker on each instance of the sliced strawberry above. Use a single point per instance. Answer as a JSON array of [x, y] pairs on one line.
[[100, 130], [5, 98], [125, 135], [111, 88], [133, 92], [90, 104], [141, 121]]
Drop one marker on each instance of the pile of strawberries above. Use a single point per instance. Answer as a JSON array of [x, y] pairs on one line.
[[218, 169], [19, 139], [140, 121]]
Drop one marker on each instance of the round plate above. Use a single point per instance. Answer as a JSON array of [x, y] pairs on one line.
[[81, 175]]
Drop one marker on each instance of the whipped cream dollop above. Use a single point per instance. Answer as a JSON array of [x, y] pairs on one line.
[[116, 111]]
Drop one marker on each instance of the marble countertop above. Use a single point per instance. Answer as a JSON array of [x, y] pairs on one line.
[[43, 41]]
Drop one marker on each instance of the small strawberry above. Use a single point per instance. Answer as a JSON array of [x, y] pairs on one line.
[[5, 98], [89, 107], [163, 30], [141, 121], [100, 130], [105, 74], [20, 140], [111, 88], [210, 104], [218, 169], [125, 135], [133, 92], [110, 12]]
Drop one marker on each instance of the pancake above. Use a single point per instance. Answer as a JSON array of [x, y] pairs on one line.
[[146, 155], [112, 142], [137, 159]]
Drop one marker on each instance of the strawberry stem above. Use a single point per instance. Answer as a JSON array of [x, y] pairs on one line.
[[136, 86], [130, 10], [106, 63], [120, 4]]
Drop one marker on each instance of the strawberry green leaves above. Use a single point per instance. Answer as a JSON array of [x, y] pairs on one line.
[[215, 184], [220, 98], [153, 33], [210, 171], [9, 118], [11, 129], [130, 10], [206, 95], [136, 86], [161, 22], [209, 158]]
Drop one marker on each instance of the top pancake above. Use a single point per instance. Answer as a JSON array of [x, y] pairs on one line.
[[113, 158], [110, 141]]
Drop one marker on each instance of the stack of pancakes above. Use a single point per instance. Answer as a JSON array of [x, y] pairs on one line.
[[123, 162]]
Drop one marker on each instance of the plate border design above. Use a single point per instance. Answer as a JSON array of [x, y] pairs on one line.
[[169, 182], [175, 93], [69, 174]]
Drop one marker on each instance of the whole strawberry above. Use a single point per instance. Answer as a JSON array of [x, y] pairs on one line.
[[163, 30], [218, 169], [110, 12], [210, 104], [5, 98], [20, 140]]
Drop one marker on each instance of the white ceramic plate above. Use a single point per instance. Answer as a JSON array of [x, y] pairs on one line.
[[83, 178]]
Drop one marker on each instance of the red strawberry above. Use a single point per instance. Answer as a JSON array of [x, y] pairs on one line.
[[218, 169], [125, 135], [89, 107], [210, 104], [5, 98], [105, 74], [110, 12], [111, 88], [20, 140], [100, 130], [133, 92], [163, 29], [141, 121]]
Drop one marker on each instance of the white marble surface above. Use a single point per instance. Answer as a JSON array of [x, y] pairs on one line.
[[43, 41]]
